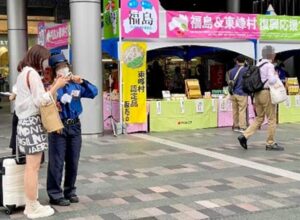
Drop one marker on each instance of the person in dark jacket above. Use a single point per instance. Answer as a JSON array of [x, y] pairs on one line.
[[65, 146], [239, 98]]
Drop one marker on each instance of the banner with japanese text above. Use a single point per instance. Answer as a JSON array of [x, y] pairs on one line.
[[57, 36], [134, 82], [140, 19], [279, 27], [211, 25], [111, 19]]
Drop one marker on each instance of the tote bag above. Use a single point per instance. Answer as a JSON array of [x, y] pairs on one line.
[[49, 114], [278, 92]]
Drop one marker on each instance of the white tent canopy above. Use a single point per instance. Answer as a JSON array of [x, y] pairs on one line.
[[246, 48], [278, 46]]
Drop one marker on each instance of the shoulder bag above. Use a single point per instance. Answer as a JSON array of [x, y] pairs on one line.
[[49, 114]]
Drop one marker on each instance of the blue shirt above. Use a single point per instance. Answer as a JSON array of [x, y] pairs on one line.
[[238, 88], [77, 91]]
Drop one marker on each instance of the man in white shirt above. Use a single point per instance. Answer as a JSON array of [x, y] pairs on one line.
[[263, 104]]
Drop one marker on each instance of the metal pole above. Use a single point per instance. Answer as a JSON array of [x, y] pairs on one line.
[[280, 7], [294, 8], [233, 6], [256, 7], [17, 37], [87, 58], [286, 7]]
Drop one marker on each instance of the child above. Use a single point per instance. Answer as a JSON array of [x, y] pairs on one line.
[[64, 146]]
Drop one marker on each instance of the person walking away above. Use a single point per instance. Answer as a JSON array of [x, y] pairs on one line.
[[64, 147], [239, 98], [264, 106], [31, 136]]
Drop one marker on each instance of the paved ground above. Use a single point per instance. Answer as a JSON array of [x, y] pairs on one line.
[[200, 174]]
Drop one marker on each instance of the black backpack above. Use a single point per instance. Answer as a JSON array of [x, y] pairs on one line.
[[252, 81]]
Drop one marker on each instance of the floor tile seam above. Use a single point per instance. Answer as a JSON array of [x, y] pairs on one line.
[[224, 157]]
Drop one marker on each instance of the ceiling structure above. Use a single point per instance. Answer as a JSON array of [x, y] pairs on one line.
[[59, 9]]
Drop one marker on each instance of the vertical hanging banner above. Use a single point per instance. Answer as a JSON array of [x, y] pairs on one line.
[[111, 19], [140, 18], [41, 33], [134, 82]]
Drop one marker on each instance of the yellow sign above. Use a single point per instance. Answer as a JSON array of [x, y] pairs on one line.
[[134, 82]]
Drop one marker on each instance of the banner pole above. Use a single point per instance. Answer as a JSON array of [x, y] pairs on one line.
[[120, 74]]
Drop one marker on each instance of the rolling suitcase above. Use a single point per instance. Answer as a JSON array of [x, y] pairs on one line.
[[12, 182]]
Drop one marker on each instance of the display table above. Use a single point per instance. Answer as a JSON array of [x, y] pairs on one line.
[[289, 111], [225, 118], [130, 128], [225, 113], [183, 115]]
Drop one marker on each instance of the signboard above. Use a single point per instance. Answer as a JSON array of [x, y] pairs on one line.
[[134, 82], [211, 25], [111, 19], [140, 19], [279, 27], [57, 36]]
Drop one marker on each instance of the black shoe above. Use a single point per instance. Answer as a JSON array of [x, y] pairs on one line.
[[74, 199], [61, 202], [274, 147], [243, 141]]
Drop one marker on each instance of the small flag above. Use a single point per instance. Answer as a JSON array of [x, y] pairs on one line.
[[270, 10]]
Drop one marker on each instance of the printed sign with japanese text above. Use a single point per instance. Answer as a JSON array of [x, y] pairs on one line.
[[57, 36], [134, 82], [211, 25], [140, 19], [279, 27]]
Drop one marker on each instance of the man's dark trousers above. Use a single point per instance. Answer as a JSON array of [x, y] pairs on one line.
[[64, 147]]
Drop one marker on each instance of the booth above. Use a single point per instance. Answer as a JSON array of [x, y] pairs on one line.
[[133, 33], [156, 28], [283, 33]]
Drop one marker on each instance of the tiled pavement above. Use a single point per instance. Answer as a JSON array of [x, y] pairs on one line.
[[131, 178]]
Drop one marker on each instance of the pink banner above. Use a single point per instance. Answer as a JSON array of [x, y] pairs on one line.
[[57, 36], [211, 25], [139, 19]]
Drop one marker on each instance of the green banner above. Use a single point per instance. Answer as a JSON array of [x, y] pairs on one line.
[[185, 115], [111, 18], [289, 111], [273, 27]]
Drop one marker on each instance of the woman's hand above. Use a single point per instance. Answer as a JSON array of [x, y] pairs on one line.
[[61, 82], [12, 97]]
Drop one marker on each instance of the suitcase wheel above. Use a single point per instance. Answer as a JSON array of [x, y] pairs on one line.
[[9, 209]]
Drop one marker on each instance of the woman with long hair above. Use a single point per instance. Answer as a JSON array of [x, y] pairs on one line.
[[31, 136]]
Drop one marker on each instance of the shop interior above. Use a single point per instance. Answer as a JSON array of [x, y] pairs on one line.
[[168, 68]]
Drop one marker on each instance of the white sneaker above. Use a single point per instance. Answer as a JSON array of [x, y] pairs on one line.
[[26, 209], [39, 212]]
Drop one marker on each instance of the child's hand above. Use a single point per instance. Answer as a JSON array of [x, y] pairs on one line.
[[76, 79]]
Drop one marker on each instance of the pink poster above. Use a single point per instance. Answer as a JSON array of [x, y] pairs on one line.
[[211, 25], [57, 36], [139, 18]]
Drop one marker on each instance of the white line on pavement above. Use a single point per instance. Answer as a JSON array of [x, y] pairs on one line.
[[224, 157]]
